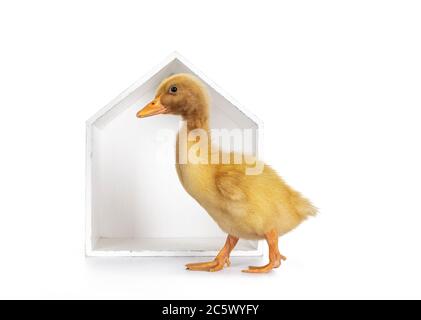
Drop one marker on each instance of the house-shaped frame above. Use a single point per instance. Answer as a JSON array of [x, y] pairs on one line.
[[135, 204]]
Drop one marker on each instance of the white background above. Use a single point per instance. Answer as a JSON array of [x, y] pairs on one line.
[[337, 84]]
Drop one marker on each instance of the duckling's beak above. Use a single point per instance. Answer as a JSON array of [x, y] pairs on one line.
[[151, 109]]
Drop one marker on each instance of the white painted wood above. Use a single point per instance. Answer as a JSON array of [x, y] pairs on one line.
[[135, 204], [169, 247]]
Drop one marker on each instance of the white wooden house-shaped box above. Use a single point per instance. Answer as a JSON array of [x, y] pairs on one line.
[[127, 214]]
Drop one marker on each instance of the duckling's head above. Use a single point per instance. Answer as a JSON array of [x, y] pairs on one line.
[[181, 94]]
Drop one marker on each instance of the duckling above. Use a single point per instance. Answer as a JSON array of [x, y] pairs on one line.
[[257, 206]]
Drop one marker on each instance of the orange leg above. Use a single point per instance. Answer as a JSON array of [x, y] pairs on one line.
[[219, 262], [274, 256]]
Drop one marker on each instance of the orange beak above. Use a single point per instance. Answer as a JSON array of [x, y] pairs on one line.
[[151, 109]]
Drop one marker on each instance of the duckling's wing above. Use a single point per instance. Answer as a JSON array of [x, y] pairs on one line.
[[228, 183]]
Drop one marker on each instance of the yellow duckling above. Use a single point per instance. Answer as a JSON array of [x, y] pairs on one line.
[[259, 206]]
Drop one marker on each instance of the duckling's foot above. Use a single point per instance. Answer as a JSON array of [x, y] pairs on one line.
[[266, 268], [275, 257], [263, 269], [211, 266], [219, 262]]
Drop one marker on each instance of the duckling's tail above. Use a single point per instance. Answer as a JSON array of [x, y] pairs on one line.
[[302, 205]]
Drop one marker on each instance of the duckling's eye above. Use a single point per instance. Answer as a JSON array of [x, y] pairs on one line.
[[173, 89]]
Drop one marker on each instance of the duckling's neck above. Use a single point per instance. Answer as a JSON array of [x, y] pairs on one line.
[[192, 122], [197, 121]]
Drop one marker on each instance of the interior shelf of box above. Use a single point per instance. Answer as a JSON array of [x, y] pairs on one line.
[[171, 246]]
